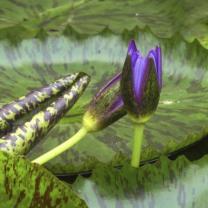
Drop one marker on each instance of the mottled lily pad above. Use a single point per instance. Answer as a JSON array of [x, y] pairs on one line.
[[164, 18], [181, 117], [41, 41], [172, 184], [23, 184]]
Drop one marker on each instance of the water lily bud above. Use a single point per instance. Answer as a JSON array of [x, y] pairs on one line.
[[14, 110], [141, 82], [106, 107], [25, 136]]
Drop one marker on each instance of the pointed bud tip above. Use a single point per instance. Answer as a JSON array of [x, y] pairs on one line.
[[132, 47], [84, 75]]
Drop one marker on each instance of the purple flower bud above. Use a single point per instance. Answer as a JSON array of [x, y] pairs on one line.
[[141, 82], [106, 107]]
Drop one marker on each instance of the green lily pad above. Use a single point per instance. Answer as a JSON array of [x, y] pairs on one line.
[[179, 121], [41, 41], [172, 184], [164, 18], [23, 184]]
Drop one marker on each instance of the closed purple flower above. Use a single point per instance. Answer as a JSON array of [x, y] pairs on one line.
[[106, 107], [141, 82]]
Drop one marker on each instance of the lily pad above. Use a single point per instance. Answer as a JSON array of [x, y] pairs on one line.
[[164, 18], [35, 52], [173, 184], [23, 184], [179, 121], [41, 41]]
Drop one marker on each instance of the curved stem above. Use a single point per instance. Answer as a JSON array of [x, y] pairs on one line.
[[61, 148], [137, 145]]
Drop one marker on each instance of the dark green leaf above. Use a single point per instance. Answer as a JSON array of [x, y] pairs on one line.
[[23, 184]]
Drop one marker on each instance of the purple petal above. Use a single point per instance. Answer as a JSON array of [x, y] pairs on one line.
[[159, 66], [118, 103], [153, 54], [134, 58], [133, 52], [139, 75], [108, 85], [132, 47]]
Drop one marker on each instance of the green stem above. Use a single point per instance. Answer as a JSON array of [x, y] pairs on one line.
[[137, 145], [61, 148], [2, 141]]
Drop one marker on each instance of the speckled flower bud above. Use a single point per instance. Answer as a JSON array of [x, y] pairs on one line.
[[12, 111], [22, 139]]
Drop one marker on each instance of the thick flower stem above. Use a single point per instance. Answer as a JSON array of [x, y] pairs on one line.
[[61, 148], [137, 145]]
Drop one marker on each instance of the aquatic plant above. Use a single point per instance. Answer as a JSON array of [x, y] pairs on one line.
[[22, 138], [141, 85], [105, 108]]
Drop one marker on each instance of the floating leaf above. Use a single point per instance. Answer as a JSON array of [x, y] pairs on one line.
[[172, 184], [164, 18], [179, 121], [30, 57], [23, 184]]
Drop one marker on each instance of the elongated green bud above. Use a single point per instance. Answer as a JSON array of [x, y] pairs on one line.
[[22, 139], [12, 111]]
